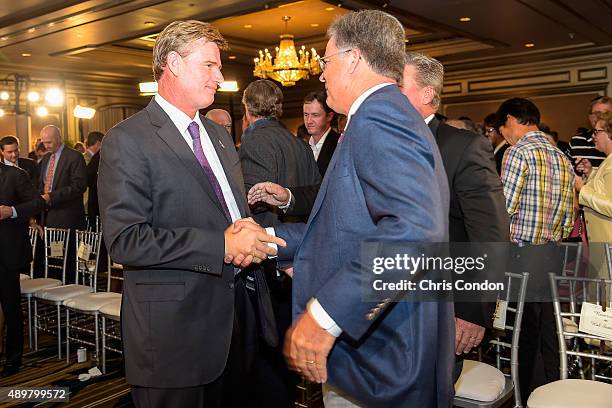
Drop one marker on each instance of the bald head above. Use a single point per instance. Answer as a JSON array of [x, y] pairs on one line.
[[51, 137], [222, 117]]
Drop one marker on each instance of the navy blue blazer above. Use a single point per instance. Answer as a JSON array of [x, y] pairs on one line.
[[386, 182]]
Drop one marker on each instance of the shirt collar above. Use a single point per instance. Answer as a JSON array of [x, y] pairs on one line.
[[321, 140], [429, 118], [357, 103], [180, 119], [8, 163]]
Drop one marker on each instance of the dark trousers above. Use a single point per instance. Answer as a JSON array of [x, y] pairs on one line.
[[10, 298], [538, 348]]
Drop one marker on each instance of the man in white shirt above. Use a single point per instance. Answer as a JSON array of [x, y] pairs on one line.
[[317, 120]]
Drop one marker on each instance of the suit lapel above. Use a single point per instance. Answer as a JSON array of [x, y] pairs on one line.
[[221, 149], [434, 124], [173, 139]]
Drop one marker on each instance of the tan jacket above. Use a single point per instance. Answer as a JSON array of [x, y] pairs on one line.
[[596, 197]]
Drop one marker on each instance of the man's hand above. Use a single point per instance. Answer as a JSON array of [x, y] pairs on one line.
[[269, 193], [306, 348], [46, 197], [467, 335], [5, 212], [248, 243], [39, 229], [578, 183]]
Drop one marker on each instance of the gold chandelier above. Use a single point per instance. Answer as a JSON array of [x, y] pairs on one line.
[[288, 68]]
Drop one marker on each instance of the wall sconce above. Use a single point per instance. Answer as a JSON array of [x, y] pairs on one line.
[[83, 112], [228, 86], [147, 88]]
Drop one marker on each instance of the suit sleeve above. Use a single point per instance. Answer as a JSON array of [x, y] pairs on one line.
[[77, 182], [30, 202], [404, 205], [599, 197], [126, 203], [480, 195]]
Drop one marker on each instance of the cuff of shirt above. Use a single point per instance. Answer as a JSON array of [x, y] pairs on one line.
[[322, 318], [270, 231], [285, 207], [14, 212]]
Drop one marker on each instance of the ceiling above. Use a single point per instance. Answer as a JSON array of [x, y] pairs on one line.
[[113, 38]]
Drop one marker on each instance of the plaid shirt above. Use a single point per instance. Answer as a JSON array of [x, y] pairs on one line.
[[538, 184]]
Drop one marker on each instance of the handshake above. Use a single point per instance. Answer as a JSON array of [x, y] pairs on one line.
[[246, 242]]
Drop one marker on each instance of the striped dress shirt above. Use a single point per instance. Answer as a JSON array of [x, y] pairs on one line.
[[538, 184]]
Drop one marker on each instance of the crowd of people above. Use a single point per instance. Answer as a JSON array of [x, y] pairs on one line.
[[253, 255]]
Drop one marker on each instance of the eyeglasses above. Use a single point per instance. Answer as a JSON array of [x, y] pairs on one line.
[[595, 131], [325, 60], [490, 130]]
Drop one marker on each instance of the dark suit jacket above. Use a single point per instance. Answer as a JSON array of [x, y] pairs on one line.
[[269, 152], [327, 151], [31, 167], [91, 170], [163, 221], [65, 208], [499, 157], [386, 182], [17, 191], [477, 204]]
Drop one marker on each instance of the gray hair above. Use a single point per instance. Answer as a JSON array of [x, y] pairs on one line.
[[377, 35], [428, 72]]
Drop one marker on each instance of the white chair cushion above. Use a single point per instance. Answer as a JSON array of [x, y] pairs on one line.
[[34, 285], [112, 309], [479, 381], [61, 293], [23, 276], [91, 301], [572, 394]]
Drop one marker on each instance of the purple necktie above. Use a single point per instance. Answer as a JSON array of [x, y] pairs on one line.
[[194, 132]]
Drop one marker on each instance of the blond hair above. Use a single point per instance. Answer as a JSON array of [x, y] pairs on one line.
[[177, 36]]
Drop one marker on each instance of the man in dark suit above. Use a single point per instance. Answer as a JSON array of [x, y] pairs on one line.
[[317, 119], [9, 147], [62, 182], [62, 185], [91, 170], [170, 186], [477, 203], [18, 202], [269, 152], [386, 182]]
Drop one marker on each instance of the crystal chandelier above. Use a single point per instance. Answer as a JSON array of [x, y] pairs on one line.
[[288, 67]]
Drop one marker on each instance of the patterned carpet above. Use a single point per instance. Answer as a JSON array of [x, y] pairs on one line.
[[43, 369]]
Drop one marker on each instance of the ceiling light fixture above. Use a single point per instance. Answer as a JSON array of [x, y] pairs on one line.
[[288, 67], [54, 97], [329, 9], [465, 19], [232, 57], [248, 26], [42, 111], [149, 23], [33, 96], [314, 24], [529, 45], [4, 96], [26, 54]]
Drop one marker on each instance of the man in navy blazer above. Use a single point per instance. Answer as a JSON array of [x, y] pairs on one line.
[[386, 182]]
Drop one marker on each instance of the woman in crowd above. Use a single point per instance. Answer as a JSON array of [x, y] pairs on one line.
[[596, 194]]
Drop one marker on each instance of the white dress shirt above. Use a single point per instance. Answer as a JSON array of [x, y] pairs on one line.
[[316, 147], [182, 121]]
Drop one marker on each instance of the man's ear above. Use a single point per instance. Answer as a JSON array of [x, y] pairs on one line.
[[428, 95], [174, 62], [354, 58]]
